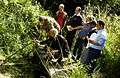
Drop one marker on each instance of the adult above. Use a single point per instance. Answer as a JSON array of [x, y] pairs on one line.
[[57, 42], [96, 43], [74, 21], [47, 23]]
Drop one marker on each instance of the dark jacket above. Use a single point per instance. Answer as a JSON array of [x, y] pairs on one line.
[[75, 21], [58, 43]]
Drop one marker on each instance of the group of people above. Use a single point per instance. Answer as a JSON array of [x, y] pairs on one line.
[[90, 35]]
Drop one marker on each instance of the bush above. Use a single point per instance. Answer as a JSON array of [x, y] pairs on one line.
[[17, 17]]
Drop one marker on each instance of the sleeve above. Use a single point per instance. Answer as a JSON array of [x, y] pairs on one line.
[[57, 13], [93, 36], [46, 42], [101, 41]]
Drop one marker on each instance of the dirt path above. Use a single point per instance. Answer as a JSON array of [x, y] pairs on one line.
[[62, 72]]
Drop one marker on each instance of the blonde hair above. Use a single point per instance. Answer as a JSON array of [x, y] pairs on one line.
[[90, 18], [61, 5], [54, 31]]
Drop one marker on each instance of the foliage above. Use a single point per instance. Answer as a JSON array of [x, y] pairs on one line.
[[112, 5], [108, 64], [17, 18], [52, 5], [79, 72]]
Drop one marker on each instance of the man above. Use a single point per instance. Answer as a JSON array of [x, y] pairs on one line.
[[58, 43], [96, 43], [75, 20]]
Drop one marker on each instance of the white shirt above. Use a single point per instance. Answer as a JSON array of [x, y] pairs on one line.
[[100, 37]]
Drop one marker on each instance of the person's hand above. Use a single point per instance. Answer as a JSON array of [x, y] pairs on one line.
[[55, 51], [38, 43], [35, 40], [70, 28], [87, 37]]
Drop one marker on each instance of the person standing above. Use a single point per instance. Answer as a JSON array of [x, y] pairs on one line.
[[61, 16], [96, 43], [74, 21]]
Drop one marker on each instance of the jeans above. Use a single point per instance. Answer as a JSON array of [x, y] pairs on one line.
[[90, 54], [88, 57]]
